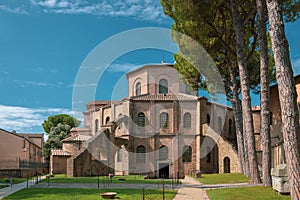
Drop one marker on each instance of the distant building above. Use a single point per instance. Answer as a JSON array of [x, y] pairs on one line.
[[161, 129], [21, 154], [277, 152]]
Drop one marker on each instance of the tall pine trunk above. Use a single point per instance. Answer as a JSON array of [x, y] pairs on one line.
[[246, 99], [287, 96], [264, 94], [236, 106]]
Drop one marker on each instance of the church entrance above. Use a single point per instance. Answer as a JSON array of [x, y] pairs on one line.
[[163, 170]]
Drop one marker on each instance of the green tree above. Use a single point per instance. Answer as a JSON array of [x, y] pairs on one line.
[[245, 89], [210, 24], [265, 92], [287, 96], [58, 128]]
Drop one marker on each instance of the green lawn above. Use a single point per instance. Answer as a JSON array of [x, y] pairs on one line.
[[3, 186], [249, 193], [136, 179], [88, 194], [223, 178], [15, 180]]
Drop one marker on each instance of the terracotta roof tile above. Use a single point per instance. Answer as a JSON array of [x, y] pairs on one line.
[[162, 97], [59, 152], [81, 138]]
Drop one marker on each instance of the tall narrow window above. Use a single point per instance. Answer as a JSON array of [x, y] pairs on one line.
[[120, 123], [271, 118], [107, 120], [208, 119], [163, 153], [141, 119], [141, 154], [96, 125], [164, 118], [187, 120], [230, 129], [208, 156], [138, 90], [163, 86], [219, 124], [119, 155], [187, 154]]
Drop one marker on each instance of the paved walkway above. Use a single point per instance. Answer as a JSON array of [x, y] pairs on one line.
[[190, 190], [16, 187]]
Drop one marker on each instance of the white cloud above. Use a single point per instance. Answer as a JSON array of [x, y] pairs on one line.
[[296, 66], [139, 9], [23, 119], [126, 67], [16, 10], [24, 83]]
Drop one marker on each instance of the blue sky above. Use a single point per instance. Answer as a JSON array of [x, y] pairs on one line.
[[44, 42]]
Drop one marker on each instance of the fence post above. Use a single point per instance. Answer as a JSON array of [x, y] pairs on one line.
[[163, 184], [143, 191], [11, 181]]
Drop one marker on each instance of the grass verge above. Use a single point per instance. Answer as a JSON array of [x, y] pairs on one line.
[[134, 179], [88, 194], [15, 180], [223, 178], [249, 193]]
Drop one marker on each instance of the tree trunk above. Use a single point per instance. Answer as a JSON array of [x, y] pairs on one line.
[[246, 99], [287, 96], [264, 94], [238, 118]]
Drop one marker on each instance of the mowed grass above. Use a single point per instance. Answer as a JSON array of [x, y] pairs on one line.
[[88, 194], [249, 193], [223, 178], [133, 179], [3, 186], [15, 180]]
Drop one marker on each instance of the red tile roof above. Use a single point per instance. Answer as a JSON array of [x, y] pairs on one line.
[[59, 152]]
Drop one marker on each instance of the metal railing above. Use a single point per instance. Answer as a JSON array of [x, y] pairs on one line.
[[21, 164]]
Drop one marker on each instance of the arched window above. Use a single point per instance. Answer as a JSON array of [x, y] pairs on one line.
[[141, 154], [141, 119], [219, 124], [163, 86], [119, 155], [164, 119], [120, 123], [138, 90], [187, 120], [163, 153], [230, 128], [226, 163], [107, 120], [187, 154], [208, 119], [96, 125]]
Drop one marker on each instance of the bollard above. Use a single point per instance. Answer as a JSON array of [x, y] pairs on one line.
[[98, 183], [163, 184], [27, 182], [11, 182]]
